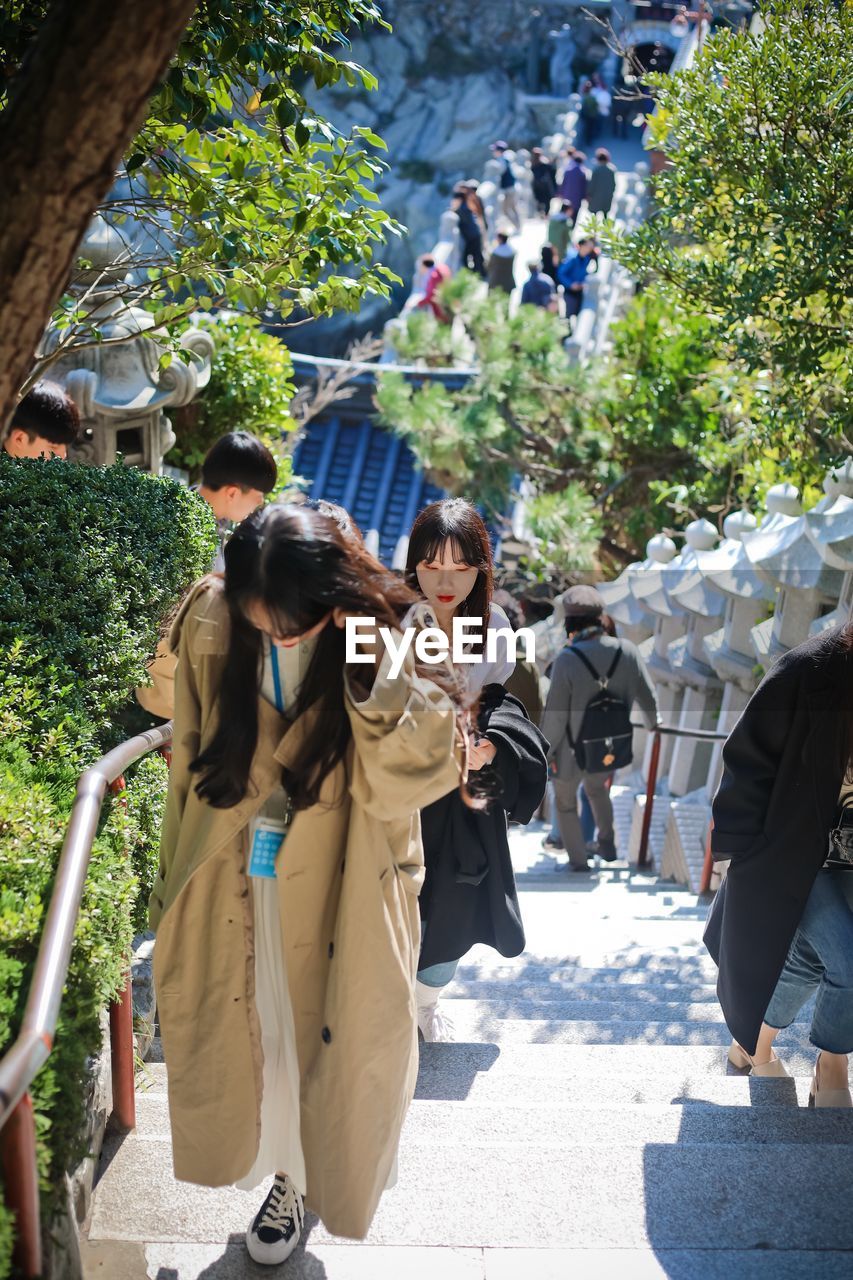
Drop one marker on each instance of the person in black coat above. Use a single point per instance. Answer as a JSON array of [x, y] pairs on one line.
[[781, 925], [469, 892]]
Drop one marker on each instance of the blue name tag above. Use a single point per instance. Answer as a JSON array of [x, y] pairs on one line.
[[267, 839]]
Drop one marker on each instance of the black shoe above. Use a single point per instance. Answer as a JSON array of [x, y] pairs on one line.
[[579, 866], [606, 850], [277, 1226]]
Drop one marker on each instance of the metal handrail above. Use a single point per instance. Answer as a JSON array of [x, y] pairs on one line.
[[705, 735], [34, 1041]]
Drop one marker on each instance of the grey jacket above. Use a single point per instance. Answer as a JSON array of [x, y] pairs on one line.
[[601, 188], [572, 688]]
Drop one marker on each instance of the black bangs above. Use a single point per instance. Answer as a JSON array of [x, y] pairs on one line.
[[465, 550]]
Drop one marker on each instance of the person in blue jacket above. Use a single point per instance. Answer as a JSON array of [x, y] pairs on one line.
[[573, 270]]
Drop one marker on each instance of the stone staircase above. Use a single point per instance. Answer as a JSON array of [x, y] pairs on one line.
[[585, 1125]]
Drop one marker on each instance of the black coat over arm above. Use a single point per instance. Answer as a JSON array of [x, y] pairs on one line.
[[469, 893], [774, 808]]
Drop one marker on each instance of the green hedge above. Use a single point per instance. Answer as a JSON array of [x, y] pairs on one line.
[[91, 560]]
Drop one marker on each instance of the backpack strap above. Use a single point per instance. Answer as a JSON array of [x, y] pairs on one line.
[[602, 681]]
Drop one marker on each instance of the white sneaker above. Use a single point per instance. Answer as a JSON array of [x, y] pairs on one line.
[[434, 1025], [277, 1225]]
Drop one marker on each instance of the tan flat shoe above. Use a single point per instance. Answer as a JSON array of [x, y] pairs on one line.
[[739, 1057], [827, 1097]]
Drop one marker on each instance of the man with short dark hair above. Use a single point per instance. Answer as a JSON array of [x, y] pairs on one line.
[[573, 687], [45, 422], [236, 475], [538, 290], [502, 265]]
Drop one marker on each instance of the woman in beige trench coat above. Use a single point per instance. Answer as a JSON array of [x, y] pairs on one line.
[[359, 756]]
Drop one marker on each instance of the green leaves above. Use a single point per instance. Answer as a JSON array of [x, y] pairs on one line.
[[752, 226], [519, 413]]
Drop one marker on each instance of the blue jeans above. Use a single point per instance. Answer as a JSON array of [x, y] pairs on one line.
[[438, 975], [587, 818], [821, 959]]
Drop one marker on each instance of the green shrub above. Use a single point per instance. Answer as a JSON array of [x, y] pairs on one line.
[[92, 560], [250, 389]]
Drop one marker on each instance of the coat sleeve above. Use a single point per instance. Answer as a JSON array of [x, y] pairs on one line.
[[186, 737], [644, 691], [406, 751], [556, 718], [521, 768], [751, 759]]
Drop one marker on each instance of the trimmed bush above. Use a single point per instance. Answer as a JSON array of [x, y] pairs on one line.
[[92, 560]]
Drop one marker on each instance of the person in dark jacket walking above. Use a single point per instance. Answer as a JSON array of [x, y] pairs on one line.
[[572, 689], [573, 183], [572, 273], [469, 890], [538, 289], [544, 180], [601, 187], [781, 925], [469, 233], [502, 265]]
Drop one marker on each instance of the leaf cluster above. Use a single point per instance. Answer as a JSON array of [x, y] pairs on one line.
[[234, 193], [519, 413], [250, 389], [753, 221]]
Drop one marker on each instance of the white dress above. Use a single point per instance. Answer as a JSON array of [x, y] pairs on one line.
[[280, 1146]]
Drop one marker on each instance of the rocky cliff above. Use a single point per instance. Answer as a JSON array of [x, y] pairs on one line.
[[451, 80]]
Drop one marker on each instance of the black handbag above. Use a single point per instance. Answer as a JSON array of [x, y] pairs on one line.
[[840, 852]]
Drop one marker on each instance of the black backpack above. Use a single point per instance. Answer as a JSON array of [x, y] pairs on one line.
[[606, 739], [507, 177]]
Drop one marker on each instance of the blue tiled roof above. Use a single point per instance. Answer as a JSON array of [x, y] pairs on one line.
[[370, 472]]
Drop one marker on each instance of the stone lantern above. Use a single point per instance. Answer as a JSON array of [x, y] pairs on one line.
[[120, 389], [785, 556], [703, 607], [830, 528], [748, 597]]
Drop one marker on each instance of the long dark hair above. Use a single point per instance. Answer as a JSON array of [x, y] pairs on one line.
[[299, 564], [456, 521]]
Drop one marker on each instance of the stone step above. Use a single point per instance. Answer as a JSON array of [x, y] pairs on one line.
[[117, 1260], [571, 1007], [567, 977], [477, 1022], [618, 1195], [120, 1260], [548, 1075], [449, 1124]]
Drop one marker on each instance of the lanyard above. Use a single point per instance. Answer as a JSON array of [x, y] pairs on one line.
[[276, 677]]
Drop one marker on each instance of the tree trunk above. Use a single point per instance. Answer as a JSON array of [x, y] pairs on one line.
[[75, 105]]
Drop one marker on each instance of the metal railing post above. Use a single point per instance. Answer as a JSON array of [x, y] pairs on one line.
[[21, 1187], [654, 762], [122, 1052], [708, 864]]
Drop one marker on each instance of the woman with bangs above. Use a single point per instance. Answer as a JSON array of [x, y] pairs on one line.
[[469, 892], [286, 901]]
